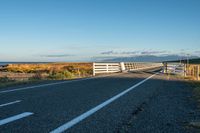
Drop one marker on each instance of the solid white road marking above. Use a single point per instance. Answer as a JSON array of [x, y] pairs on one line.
[[57, 83], [43, 85], [14, 118], [10, 103], [95, 109]]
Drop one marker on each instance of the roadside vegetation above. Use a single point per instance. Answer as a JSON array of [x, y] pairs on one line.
[[25, 73], [33, 68], [7, 82]]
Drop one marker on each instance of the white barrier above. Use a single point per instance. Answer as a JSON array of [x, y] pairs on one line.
[[132, 66], [174, 68], [106, 68], [102, 67]]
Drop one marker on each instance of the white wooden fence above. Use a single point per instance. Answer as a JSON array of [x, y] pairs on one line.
[[106, 68], [103, 67]]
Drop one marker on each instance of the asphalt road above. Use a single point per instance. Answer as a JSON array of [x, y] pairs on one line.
[[94, 105]]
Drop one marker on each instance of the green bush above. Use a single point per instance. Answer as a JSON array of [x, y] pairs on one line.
[[61, 75], [68, 74]]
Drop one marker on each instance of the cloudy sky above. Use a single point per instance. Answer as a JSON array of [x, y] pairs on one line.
[[79, 30]]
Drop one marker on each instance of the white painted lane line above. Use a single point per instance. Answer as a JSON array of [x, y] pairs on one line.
[[95, 109], [10, 103], [50, 84], [43, 85], [14, 118]]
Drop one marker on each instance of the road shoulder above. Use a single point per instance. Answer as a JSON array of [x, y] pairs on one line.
[[171, 110]]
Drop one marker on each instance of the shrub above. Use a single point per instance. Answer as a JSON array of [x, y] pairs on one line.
[[61, 75], [53, 70], [68, 74]]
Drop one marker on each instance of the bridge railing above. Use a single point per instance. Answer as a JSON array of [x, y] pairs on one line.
[[106, 67], [132, 66], [191, 71], [174, 68]]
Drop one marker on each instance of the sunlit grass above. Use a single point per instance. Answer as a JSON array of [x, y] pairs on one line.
[[15, 73], [52, 70], [32, 68]]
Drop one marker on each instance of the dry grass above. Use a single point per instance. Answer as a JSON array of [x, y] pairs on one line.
[[15, 74], [6, 82], [52, 70], [31, 68]]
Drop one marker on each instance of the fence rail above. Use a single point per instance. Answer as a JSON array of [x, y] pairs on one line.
[[106, 68], [131, 66], [187, 70], [103, 67]]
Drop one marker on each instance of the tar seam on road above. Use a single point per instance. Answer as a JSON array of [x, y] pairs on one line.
[[14, 118], [10, 103], [83, 116]]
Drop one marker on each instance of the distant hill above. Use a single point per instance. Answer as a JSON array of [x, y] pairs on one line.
[[150, 58]]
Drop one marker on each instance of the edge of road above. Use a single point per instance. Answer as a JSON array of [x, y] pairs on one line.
[[7, 90]]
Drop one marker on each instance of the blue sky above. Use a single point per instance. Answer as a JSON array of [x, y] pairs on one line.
[[78, 30]]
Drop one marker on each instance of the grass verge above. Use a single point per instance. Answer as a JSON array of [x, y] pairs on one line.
[[6, 82]]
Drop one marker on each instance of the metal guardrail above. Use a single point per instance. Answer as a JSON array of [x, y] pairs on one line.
[[103, 67], [187, 70], [174, 68]]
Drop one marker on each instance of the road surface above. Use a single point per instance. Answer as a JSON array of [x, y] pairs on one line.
[[129, 102]]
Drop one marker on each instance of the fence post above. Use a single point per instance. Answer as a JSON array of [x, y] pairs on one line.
[[165, 67], [185, 70], [93, 68], [122, 66], [107, 68], [197, 72]]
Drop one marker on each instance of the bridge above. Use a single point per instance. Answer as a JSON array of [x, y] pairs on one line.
[[131, 97], [113, 67]]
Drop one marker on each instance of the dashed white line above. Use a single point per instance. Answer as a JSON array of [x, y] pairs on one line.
[[14, 118], [83, 116], [10, 103]]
